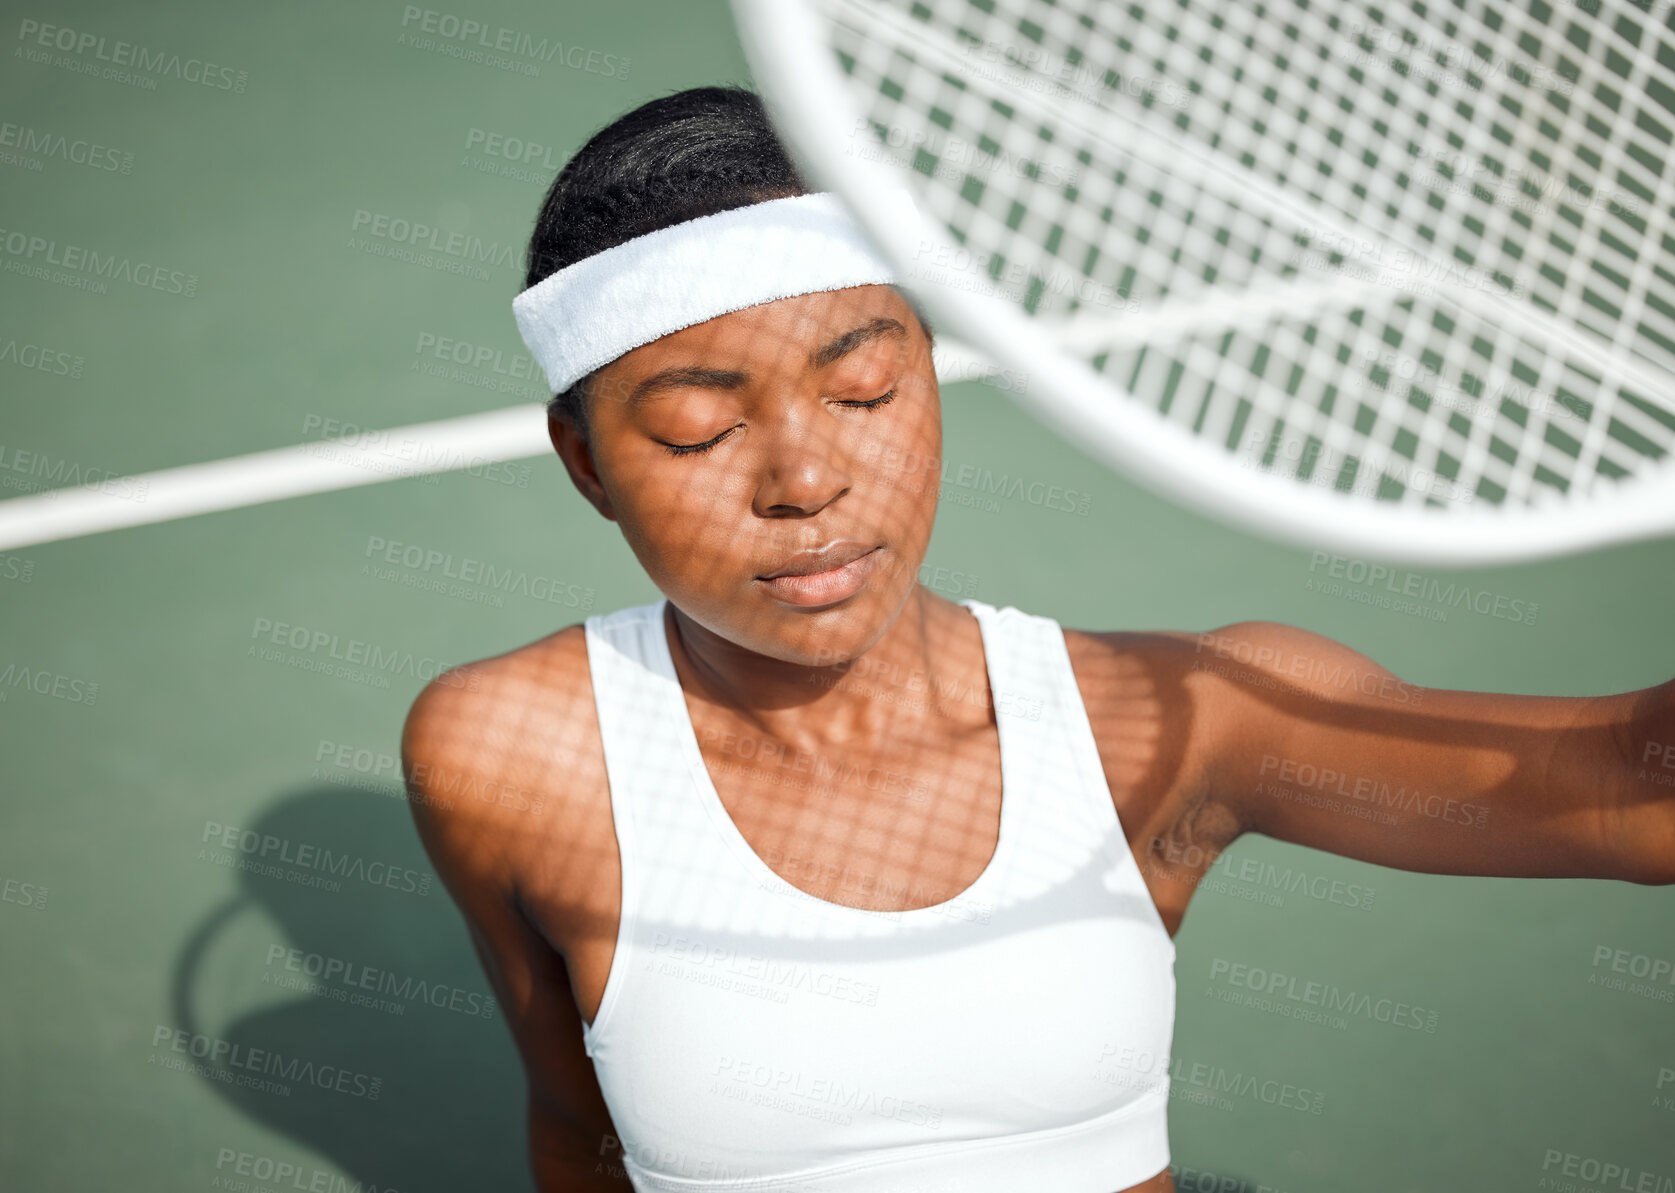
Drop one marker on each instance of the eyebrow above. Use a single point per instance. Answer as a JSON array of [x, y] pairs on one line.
[[683, 378], [853, 339], [687, 376]]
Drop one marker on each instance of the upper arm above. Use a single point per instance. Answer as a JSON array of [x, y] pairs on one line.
[[470, 844], [1318, 745]]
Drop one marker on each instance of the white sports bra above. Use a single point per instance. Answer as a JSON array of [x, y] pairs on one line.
[[754, 1038]]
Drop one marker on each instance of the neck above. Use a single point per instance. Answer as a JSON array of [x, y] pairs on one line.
[[918, 670]]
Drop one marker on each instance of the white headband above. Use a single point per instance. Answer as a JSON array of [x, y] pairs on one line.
[[589, 313]]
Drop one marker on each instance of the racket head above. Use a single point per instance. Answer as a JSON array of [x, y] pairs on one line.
[[1330, 329]]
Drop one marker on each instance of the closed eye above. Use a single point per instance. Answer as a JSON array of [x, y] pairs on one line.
[[698, 449], [695, 449]]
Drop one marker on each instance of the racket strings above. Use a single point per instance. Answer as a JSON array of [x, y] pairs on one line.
[[1091, 230], [1307, 70]]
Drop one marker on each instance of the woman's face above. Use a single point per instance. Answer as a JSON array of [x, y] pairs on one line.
[[726, 449]]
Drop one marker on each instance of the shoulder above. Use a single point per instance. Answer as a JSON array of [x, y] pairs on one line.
[[502, 757], [1218, 676], [504, 710], [1215, 671], [1134, 678], [1151, 715], [1206, 700], [1168, 707], [470, 689]]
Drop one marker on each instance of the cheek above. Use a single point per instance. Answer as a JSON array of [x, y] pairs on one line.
[[681, 517], [905, 462]]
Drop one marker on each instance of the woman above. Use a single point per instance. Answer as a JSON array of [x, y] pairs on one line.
[[830, 883]]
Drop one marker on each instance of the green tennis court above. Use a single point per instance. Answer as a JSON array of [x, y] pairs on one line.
[[227, 964]]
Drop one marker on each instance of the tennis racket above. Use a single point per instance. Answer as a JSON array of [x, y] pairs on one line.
[[1393, 279]]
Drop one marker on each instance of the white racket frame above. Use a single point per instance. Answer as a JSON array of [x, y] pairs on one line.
[[814, 108]]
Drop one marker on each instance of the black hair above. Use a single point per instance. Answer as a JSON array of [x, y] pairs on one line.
[[686, 155]]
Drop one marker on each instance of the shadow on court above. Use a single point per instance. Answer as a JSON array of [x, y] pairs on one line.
[[405, 1075]]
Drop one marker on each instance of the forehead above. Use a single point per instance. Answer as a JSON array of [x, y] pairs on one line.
[[775, 335]]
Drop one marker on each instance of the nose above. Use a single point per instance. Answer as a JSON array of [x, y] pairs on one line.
[[806, 463]]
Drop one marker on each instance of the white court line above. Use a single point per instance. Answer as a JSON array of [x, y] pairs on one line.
[[315, 467], [320, 466]]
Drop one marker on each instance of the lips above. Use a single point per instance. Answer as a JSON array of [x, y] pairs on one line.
[[824, 559]]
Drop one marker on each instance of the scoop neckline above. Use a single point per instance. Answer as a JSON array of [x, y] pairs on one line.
[[1011, 788]]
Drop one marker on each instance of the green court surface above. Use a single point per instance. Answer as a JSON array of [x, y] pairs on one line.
[[156, 741]]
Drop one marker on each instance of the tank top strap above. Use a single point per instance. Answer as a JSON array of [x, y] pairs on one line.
[[1036, 692], [628, 704], [636, 714], [639, 708]]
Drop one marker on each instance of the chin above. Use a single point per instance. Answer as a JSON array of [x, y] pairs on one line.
[[829, 635]]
